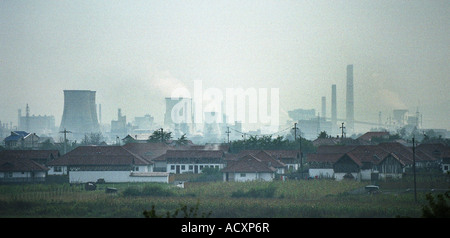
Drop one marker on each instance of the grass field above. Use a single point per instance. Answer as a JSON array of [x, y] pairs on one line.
[[305, 198]]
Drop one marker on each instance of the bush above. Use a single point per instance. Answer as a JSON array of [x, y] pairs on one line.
[[268, 192], [148, 190]]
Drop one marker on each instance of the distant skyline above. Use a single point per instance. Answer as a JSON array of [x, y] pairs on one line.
[[135, 53]]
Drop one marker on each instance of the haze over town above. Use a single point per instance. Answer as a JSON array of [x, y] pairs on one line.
[[135, 53]]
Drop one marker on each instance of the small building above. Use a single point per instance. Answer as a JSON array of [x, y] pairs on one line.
[[192, 161], [321, 165], [112, 164], [14, 169], [369, 136], [248, 168], [21, 139], [42, 157]]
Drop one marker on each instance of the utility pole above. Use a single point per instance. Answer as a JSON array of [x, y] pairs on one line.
[[300, 144], [342, 130], [162, 135], [228, 134], [414, 169], [65, 140]]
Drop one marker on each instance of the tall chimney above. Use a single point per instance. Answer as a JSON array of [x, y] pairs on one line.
[[333, 108], [80, 114], [100, 113], [349, 100], [324, 108]]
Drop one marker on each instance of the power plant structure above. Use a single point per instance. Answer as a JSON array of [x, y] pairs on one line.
[[333, 109], [80, 114], [349, 100]]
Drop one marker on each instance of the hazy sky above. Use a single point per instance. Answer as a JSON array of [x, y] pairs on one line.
[[134, 53]]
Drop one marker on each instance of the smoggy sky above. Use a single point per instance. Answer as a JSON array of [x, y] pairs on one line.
[[134, 53]]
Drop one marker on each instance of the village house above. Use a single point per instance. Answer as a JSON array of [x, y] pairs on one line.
[[41, 157], [364, 162], [369, 136], [16, 169], [21, 139], [111, 164], [191, 161], [438, 155], [249, 168], [290, 158], [266, 156]]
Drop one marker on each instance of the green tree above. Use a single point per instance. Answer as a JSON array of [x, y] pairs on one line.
[[92, 139], [160, 136], [182, 140], [437, 209], [322, 135]]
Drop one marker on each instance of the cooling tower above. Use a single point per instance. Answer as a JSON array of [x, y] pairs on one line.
[[349, 100], [80, 114]]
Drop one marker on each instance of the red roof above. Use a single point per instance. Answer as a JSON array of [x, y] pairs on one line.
[[334, 149], [194, 154], [248, 164], [14, 164], [368, 153], [368, 136], [324, 157], [30, 154], [148, 151], [436, 150], [99, 155]]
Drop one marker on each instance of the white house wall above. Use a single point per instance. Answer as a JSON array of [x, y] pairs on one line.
[[321, 173], [172, 168], [22, 174], [63, 170], [112, 177], [243, 177], [340, 176], [366, 174]]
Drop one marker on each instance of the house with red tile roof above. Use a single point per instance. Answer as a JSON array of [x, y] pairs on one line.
[[438, 155], [368, 136], [111, 164], [386, 160], [250, 167], [192, 161], [14, 168], [40, 156]]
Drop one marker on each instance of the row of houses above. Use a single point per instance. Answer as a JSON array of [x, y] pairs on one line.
[[157, 162], [384, 160]]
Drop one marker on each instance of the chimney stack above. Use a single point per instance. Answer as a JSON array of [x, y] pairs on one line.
[[349, 100]]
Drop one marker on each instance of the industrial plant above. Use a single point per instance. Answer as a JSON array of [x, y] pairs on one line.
[[83, 116]]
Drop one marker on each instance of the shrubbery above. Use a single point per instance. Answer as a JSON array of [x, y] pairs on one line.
[[148, 190], [268, 192]]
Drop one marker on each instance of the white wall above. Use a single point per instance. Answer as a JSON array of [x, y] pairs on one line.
[[187, 169], [62, 172], [321, 173], [250, 176], [112, 177], [340, 176], [366, 174], [39, 174]]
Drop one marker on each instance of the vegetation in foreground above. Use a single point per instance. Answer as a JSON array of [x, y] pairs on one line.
[[303, 198]]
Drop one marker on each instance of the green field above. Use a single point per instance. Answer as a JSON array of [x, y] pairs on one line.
[[305, 198]]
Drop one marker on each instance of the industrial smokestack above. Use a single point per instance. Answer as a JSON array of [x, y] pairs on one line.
[[350, 106], [333, 106], [80, 114], [324, 108]]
